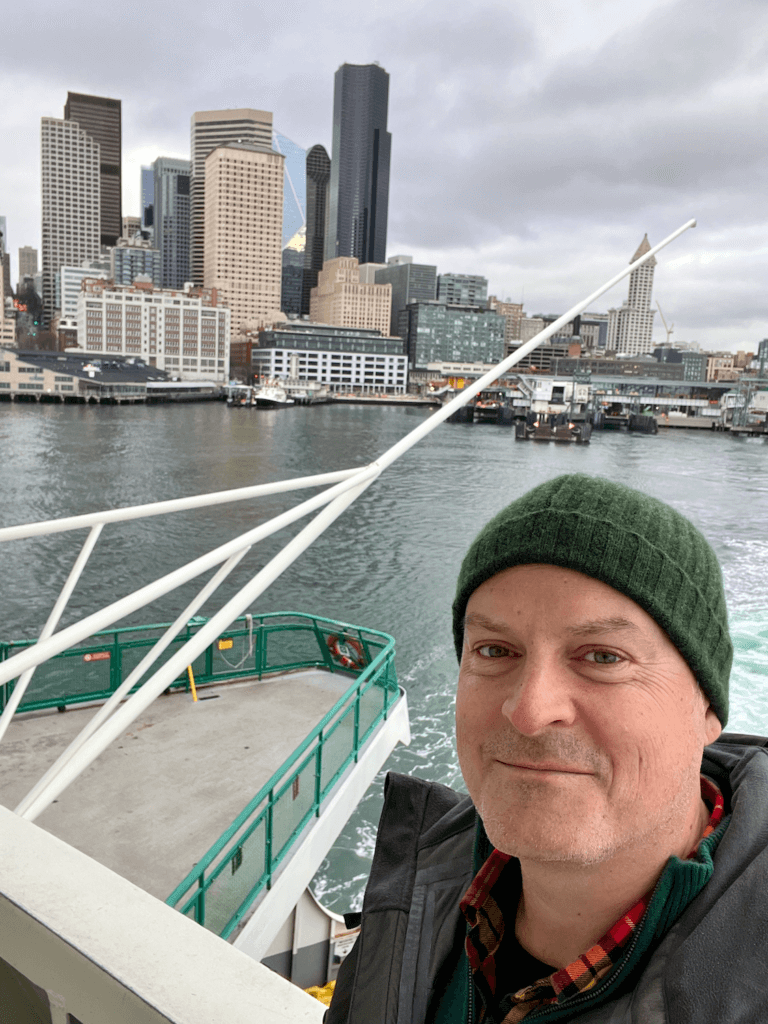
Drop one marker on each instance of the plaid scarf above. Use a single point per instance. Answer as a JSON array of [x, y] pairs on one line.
[[485, 918]]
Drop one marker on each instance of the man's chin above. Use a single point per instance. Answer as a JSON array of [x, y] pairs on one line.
[[550, 841]]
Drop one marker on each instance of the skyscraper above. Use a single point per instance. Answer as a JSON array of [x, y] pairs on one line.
[[318, 177], [630, 328], [148, 202], [295, 187], [71, 185], [101, 118], [27, 262], [243, 225], [411, 282], [209, 129], [359, 190], [170, 208], [6, 291]]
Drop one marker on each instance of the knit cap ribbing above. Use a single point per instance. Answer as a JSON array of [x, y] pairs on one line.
[[634, 543]]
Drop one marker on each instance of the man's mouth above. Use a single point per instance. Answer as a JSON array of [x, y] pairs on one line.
[[548, 766]]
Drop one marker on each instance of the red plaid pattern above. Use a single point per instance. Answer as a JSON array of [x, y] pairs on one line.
[[486, 930]]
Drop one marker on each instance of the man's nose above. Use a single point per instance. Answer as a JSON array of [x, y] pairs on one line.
[[540, 695]]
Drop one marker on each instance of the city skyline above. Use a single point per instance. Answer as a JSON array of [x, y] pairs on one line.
[[530, 147]]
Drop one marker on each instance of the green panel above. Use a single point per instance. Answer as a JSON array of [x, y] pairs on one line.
[[371, 706], [227, 892], [240, 657], [338, 745], [70, 676], [291, 647], [131, 656], [292, 806]]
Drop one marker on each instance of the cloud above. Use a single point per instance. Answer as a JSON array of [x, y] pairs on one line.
[[535, 144]]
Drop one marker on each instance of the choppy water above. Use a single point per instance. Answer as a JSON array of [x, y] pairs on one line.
[[389, 563]]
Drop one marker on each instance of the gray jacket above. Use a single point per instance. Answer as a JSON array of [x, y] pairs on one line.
[[710, 968]]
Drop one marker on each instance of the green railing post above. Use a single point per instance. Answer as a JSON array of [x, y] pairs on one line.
[[209, 660], [318, 774], [115, 664], [200, 907], [356, 733], [268, 838]]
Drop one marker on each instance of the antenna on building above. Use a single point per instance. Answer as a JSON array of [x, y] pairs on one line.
[[669, 330]]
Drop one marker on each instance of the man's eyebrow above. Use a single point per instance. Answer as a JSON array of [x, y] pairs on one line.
[[475, 619], [598, 627]]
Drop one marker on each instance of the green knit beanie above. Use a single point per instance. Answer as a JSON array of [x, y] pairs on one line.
[[634, 543]]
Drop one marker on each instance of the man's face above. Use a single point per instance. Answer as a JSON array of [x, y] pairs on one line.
[[579, 725]]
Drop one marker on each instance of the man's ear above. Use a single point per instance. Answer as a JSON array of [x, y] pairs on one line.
[[712, 725]]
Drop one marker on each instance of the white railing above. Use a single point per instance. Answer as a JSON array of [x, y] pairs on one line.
[[112, 719]]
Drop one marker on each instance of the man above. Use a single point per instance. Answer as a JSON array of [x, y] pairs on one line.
[[610, 862]]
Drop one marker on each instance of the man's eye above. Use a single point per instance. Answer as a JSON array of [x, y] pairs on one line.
[[492, 651], [602, 657]]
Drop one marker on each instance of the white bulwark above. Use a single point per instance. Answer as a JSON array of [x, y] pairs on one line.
[[184, 332]]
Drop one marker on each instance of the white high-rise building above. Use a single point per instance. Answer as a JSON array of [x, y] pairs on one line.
[[243, 231], [209, 129], [71, 202], [630, 328], [185, 332]]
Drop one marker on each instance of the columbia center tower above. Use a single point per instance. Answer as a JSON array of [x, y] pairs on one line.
[[359, 188]]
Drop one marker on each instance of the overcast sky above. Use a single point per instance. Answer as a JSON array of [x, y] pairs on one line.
[[531, 143]]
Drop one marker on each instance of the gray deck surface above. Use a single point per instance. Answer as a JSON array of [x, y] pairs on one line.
[[152, 804]]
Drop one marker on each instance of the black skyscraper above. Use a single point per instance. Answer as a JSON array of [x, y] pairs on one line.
[[101, 118], [359, 193], [318, 178]]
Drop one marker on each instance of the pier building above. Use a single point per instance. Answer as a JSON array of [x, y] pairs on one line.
[[74, 377], [340, 358]]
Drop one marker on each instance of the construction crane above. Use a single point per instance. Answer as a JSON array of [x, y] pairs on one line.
[[669, 330]]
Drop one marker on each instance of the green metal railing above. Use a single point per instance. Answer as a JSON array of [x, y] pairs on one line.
[[224, 884], [93, 670]]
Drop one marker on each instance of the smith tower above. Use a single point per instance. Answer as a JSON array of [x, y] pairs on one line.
[[359, 190], [630, 328]]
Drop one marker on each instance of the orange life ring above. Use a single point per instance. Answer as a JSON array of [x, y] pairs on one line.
[[347, 651]]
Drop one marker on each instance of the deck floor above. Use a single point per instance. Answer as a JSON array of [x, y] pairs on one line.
[[152, 804]]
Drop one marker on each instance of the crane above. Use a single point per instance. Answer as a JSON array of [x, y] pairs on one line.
[[669, 330]]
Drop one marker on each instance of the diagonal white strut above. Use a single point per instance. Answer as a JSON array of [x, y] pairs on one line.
[[348, 485]]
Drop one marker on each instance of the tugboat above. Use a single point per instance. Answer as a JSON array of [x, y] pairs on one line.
[[553, 427]]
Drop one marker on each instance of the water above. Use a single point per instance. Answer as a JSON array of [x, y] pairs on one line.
[[390, 562]]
